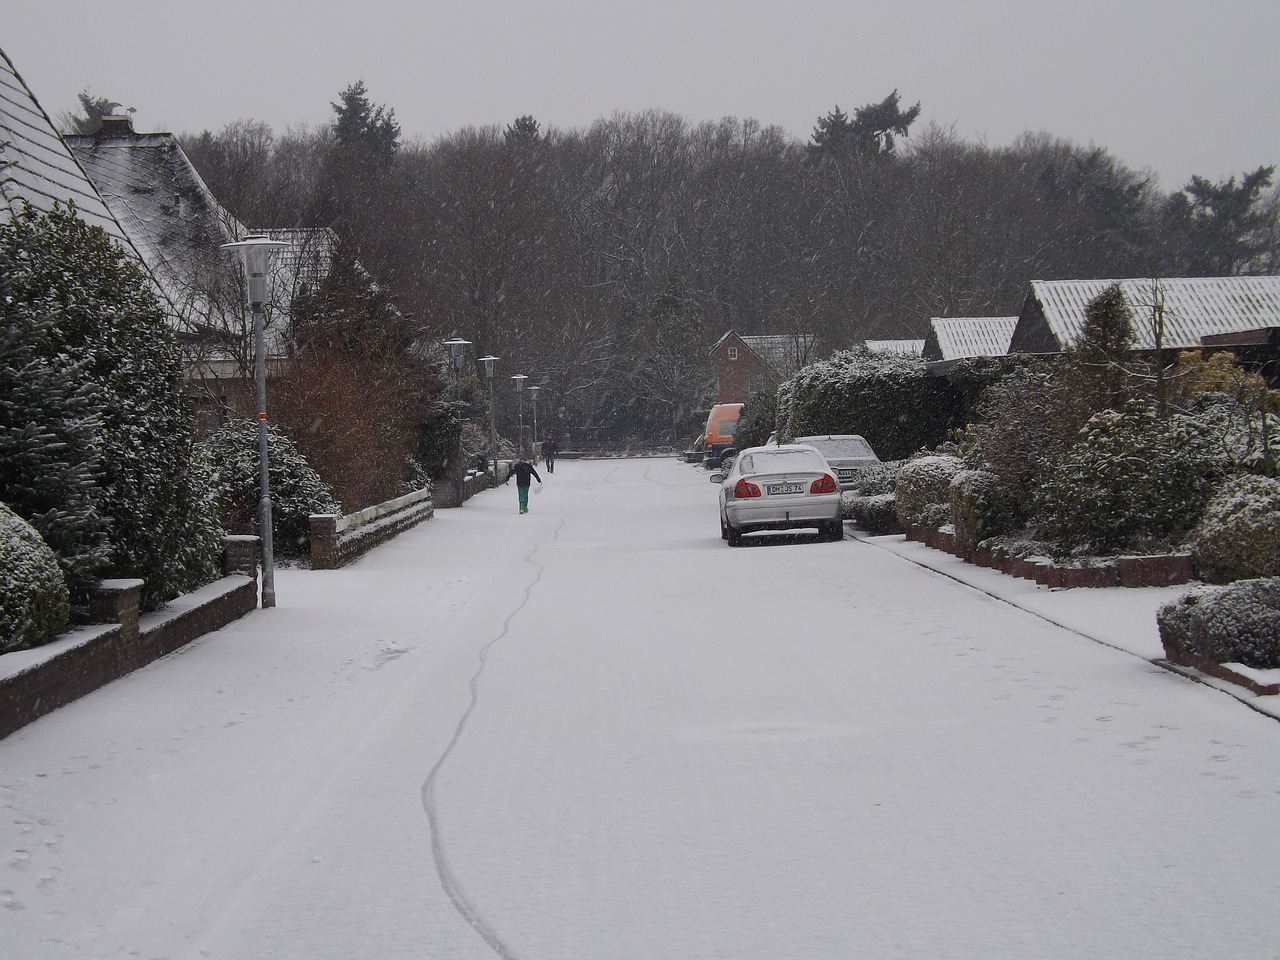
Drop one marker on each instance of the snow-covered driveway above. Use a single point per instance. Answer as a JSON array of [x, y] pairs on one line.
[[597, 733]]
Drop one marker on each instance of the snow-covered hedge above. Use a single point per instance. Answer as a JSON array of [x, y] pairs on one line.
[[34, 604], [1132, 482], [979, 508], [230, 455], [923, 490], [876, 514], [1239, 623], [1239, 535]]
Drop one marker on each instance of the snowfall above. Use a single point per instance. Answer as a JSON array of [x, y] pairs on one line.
[[596, 732]]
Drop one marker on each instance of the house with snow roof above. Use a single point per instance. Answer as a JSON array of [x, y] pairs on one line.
[[747, 364], [952, 339], [171, 217]]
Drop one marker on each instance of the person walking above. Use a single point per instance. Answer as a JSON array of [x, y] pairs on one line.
[[549, 454], [523, 470]]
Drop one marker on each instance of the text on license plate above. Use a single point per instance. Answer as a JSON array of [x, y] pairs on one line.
[[776, 489]]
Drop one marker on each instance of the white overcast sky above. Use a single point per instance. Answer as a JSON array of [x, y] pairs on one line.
[[1176, 86]]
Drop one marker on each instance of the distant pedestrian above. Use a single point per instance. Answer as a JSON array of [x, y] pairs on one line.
[[523, 470], [549, 454]]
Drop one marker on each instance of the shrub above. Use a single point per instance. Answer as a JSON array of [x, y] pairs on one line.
[[1239, 623], [877, 514], [1133, 482], [107, 330], [873, 479], [230, 455], [888, 399], [979, 508], [34, 604], [757, 420], [923, 490], [1239, 535]]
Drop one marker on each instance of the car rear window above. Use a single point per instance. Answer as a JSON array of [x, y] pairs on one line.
[[842, 448], [778, 461]]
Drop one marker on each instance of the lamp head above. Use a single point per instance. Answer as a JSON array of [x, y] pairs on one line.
[[255, 255]]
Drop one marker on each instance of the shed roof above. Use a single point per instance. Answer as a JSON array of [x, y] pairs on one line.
[[37, 167], [1194, 307], [957, 338]]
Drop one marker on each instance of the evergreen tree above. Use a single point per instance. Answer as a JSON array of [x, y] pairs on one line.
[[1229, 229], [106, 328], [360, 124]]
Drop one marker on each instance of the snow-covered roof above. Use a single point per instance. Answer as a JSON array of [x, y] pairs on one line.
[[36, 165], [162, 203], [784, 353], [956, 338], [1053, 312], [902, 348]]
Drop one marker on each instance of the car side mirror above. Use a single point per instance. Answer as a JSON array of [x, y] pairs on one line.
[[717, 478]]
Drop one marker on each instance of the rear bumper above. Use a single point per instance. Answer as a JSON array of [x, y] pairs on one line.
[[753, 515]]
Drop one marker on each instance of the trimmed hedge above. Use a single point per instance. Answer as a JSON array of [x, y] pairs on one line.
[[1239, 535], [923, 490], [1239, 623], [979, 509], [34, 601]]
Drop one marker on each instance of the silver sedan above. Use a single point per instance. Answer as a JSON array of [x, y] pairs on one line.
[[783, 487]]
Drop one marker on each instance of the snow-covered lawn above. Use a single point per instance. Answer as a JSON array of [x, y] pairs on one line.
[[597, 732]]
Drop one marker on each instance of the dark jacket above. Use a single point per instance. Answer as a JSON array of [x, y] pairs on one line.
[[523, 470]]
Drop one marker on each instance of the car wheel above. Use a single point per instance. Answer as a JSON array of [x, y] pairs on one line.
[[835, 530], [724, 531], [733, 535]]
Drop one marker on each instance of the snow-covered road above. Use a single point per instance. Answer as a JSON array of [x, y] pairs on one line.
[[597, 733]]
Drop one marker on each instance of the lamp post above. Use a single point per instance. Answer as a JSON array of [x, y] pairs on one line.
[[456, 348], [488, 362], [534, 392], [255, 254], [520, 378]]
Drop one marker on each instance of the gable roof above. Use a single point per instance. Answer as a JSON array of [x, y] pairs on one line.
[[957, 338], [1053, 312], [163, 204], [36, 165], [784, 353]]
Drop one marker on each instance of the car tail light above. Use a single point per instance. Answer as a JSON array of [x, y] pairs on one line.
[[744, 490], [824, 484]]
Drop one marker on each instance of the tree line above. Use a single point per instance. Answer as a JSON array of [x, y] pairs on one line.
[[604, 262]]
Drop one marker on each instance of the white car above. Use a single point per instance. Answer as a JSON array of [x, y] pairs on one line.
[[844, 453], [784, 487]]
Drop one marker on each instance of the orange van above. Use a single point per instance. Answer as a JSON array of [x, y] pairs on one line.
[[722, 423]]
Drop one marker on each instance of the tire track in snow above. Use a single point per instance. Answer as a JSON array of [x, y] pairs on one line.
[[457, 896]]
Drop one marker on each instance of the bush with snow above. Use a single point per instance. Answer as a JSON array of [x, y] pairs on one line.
[[923, 490], [1133, 482], [876, 514], [1238, 537], [230, 457], [1239, 623], [34, 602], [97, 323], [979, 507]]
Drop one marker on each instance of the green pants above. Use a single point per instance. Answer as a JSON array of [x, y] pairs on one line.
[[524, 498]]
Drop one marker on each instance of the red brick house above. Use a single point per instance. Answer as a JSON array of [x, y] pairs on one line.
[[746, 365]]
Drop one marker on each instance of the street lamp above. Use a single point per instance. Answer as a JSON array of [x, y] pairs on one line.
[[520, 378], [456, 348], [534, 391], [488, 362], [255, 255]]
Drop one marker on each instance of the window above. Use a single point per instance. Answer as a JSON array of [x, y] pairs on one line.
[[733, 353]]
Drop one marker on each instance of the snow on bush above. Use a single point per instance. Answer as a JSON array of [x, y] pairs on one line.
[[877, 514], [979, 508], [230, 455], [1238, 536], [34, 605], [106, 330], [923, 490], [1132, 482], [1239, 623]]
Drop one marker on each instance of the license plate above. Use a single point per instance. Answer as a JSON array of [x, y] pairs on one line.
[[777, 489]]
